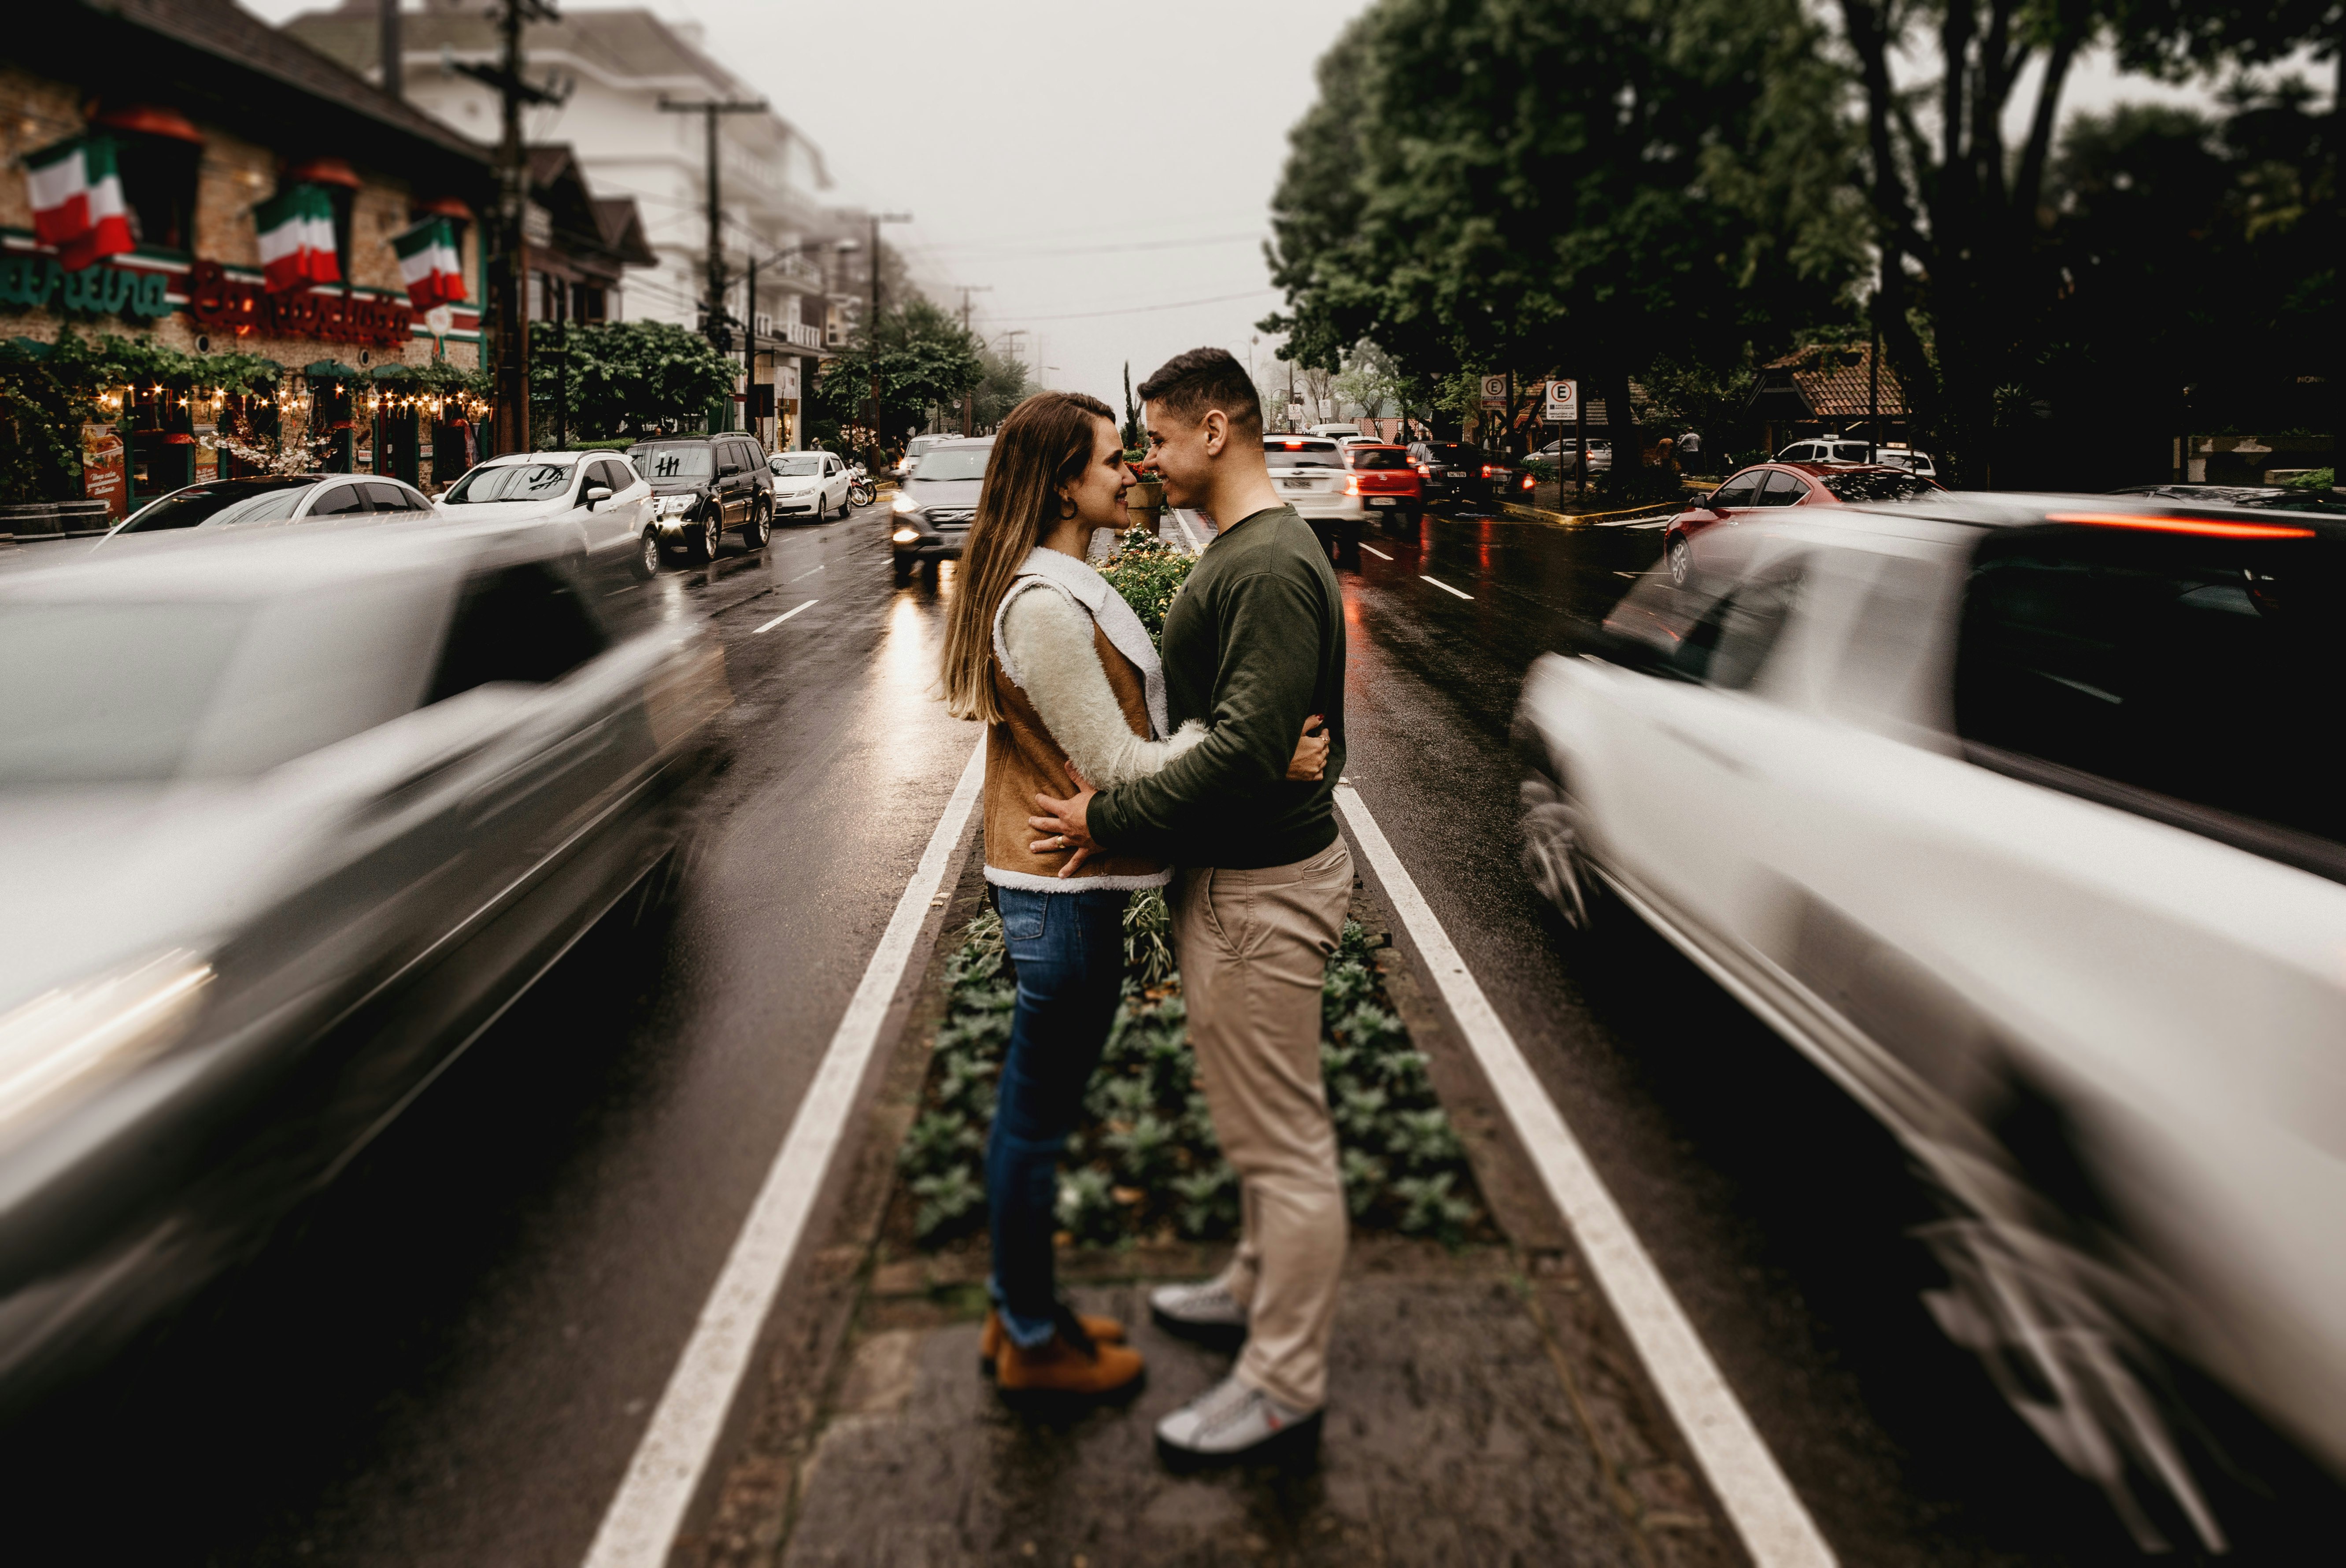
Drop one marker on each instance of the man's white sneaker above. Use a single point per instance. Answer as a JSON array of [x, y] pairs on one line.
[[1206, 1310], [1232, 1424]]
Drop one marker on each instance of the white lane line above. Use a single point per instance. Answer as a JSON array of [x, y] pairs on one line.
[[642, 1521], [1379, 555], [1443, 587], [786, 614], [824, 567], [1768, 1514]]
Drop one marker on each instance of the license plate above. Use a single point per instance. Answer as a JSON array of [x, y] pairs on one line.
[[1381, 499], [1456, 473], [1296, 483]]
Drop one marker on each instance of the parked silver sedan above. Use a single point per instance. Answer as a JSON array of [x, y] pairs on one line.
[[284, 824]]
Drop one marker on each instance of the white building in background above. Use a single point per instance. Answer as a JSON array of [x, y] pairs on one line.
[[617, 65]]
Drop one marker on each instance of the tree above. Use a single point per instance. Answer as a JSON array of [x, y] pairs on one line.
[[922, 354], [627, 378], [1959, 216], [1369, 380], [1005, 385], [1515, 184]]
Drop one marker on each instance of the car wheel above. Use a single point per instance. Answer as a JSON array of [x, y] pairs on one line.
[[904, 569], [1681, 561], [648, 554], [2035, 1311], [761, 529], [1555, 854], [846, 507], [706, 535]]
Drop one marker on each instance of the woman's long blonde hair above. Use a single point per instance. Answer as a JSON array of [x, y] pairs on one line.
[[1045, 443]]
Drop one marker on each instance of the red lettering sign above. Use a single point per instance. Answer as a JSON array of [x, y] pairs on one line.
[[219, 303]]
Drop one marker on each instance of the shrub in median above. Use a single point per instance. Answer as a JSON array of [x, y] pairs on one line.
[[1145, 1164]]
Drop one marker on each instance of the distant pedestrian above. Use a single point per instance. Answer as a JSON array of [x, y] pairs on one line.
[[1690, 447], [1255, 642], [1044, 651]]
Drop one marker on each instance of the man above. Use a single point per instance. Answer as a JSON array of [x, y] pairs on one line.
[[1254, 643]]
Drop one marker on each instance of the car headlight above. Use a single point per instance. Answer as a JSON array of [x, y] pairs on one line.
[[905, 503], [71, 1040], [673, 505], [906, 535]]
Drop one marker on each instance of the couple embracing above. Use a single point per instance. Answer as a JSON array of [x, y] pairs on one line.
[[1207, 771]]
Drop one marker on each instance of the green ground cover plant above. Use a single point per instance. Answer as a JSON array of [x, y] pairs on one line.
[[1145, 1164]]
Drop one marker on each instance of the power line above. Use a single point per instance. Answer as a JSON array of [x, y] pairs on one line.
[[1142, 310]]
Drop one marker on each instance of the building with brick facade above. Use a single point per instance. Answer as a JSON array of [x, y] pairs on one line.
[[213, 112]]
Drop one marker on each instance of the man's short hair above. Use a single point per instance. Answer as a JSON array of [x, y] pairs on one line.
[[1190, 385]]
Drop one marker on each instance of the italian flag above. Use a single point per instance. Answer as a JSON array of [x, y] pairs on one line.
[[297, 239], [78, 203], [429, 264]]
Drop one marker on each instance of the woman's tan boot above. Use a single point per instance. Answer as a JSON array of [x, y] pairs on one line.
[[990, 1338], [1061, 1368]]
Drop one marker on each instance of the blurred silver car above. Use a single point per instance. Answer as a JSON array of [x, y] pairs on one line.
[[2017, 815], [220, 507], [284, 824]]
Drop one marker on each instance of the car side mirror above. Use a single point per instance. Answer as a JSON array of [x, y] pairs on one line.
[[596, 495]]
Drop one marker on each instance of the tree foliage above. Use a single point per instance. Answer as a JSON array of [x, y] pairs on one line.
[[626, 378], [1518, 184], [49, 390], [1960, 216], [922, 356]]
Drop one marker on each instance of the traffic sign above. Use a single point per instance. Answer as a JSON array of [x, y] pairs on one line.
[[1495, 392], [1563, 404]]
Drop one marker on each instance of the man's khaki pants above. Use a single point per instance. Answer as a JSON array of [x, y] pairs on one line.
[[1253, 948]]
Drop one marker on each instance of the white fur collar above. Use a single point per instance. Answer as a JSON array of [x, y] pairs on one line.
[[1100, 599]]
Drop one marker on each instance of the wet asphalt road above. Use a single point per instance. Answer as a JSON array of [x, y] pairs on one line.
[[449, 1360]]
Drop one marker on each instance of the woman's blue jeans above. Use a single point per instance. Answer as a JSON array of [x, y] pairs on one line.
[[1069, 953]]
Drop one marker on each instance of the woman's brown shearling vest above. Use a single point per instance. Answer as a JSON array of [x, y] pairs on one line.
[[1022, 760]]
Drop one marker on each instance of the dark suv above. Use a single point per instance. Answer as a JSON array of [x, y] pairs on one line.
[[1455, 471], [703, 485], [935, 503]]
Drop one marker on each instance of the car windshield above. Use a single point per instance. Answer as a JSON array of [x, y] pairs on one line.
[[1380, 457], [954, 463], [1451, 452], [657, 463], [796, 465], [230, 501], [123, 691], [512, 482], [1864, 487], [1300, 451]]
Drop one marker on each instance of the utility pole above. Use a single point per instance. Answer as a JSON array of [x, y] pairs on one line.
[[394, 68], [509, 268], [714, 315], [749, 344], [871, 328], [969, 397]]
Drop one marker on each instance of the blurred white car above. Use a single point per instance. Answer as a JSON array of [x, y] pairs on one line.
[[1842, 449], [809, 484], [218, 507], [598, 497], [2016, 815]]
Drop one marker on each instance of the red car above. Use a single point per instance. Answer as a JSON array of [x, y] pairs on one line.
[[1696, 541], [1384, 478]]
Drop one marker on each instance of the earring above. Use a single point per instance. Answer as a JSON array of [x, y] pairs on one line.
[[1066, 509]]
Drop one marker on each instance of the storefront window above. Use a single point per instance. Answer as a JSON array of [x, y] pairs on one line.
[[155, 152]]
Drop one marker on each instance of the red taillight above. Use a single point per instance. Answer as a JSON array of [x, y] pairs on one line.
[[1486, 471], [1293, 445], [1529, 483], [2206, 527], [1353, 485]]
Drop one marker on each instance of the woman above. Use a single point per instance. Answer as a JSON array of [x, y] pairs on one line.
[[1040, 648]]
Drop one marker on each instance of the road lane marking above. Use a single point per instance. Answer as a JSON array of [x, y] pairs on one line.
[[640, 1525], [1769, 1515], [1379, 555], [1443, 587], [824, 567], [786, 614], [1197, 545]]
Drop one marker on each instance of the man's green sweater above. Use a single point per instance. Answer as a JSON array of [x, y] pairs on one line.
[[1254, 644]]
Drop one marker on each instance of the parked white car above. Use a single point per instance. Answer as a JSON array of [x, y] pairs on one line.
[[1842, 449], [598, 494], [2015, 815], [809, 484], [218, 507]]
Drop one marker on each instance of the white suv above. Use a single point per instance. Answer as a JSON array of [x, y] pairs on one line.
[[1310, 475], [2017, 816]]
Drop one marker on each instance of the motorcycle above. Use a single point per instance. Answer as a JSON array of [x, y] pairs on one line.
[[860, 490]]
